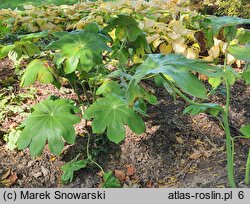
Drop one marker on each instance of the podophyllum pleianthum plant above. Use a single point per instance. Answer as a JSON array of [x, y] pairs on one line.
[[176, 72], [113, 96], [80, 58]]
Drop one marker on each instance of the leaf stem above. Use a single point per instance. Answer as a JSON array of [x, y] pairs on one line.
[[73, 86], [229, 140], [89, 155], [85, 93], [247, 169]]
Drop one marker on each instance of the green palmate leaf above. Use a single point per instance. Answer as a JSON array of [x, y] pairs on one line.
[[211, 108], [34, 36], [110, 87], [37, 70], [112, 113], [179, 69], [51, 120], [72, 166], [246, 74], [215, 81], [126, 27], [217, 23], [245, 130], [21, 48], [243, 36], [5, 50], [110, 181], [12, 138], [231, 75], [3, 30], [241, 52], [135, 92], [130, 41], [81, 50]]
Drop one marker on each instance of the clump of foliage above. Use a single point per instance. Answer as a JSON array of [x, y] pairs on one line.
[[237, 8]]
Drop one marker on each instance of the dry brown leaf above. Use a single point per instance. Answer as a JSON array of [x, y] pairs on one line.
[[149, 184], [5, 175], [120, 175], [130, 170], [196, 155], [10, 181]]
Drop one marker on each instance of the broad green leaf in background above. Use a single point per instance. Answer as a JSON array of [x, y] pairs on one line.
[[52, 120], [3, 30], [246, 74], [245, 130], [70, 167], [211, 108], [217, 23], [231, 75], [37, 70], [129, 41], [241, 52], [34, 36], [243, 36], [110, 87], [109, 181], [11, 139], [112, 113], [135, 91], [215, 81], [21, 48], [223, 28], [126, 27], [82, 49], [179, 69]]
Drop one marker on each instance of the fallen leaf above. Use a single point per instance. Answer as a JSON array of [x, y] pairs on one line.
[[44, 171], [179, 140], [149, 184], [130, 170], [5, 175], [196, 155], [10, 181], [36, 174], [120, 175], [52, 158]]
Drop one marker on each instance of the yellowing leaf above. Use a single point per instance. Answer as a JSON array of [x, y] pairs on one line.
[[191, 53], [214, 52], [165, 49], [152, 38], [157, 42]]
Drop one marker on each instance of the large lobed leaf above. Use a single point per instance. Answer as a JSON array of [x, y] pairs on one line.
[[179, 69], [241, 52], [81, 50], [112, 113], [217, 23], [126, 27], [70, 167], [245, 130], [51, 120], [37, 70]]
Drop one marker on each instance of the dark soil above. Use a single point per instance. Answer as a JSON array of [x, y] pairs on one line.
[[175, 151]]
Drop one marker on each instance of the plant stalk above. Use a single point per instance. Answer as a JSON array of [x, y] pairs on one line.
[[247, 175], [229, 143], [89, 155]]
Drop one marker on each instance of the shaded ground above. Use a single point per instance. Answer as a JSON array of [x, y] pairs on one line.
[[175, 151]]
